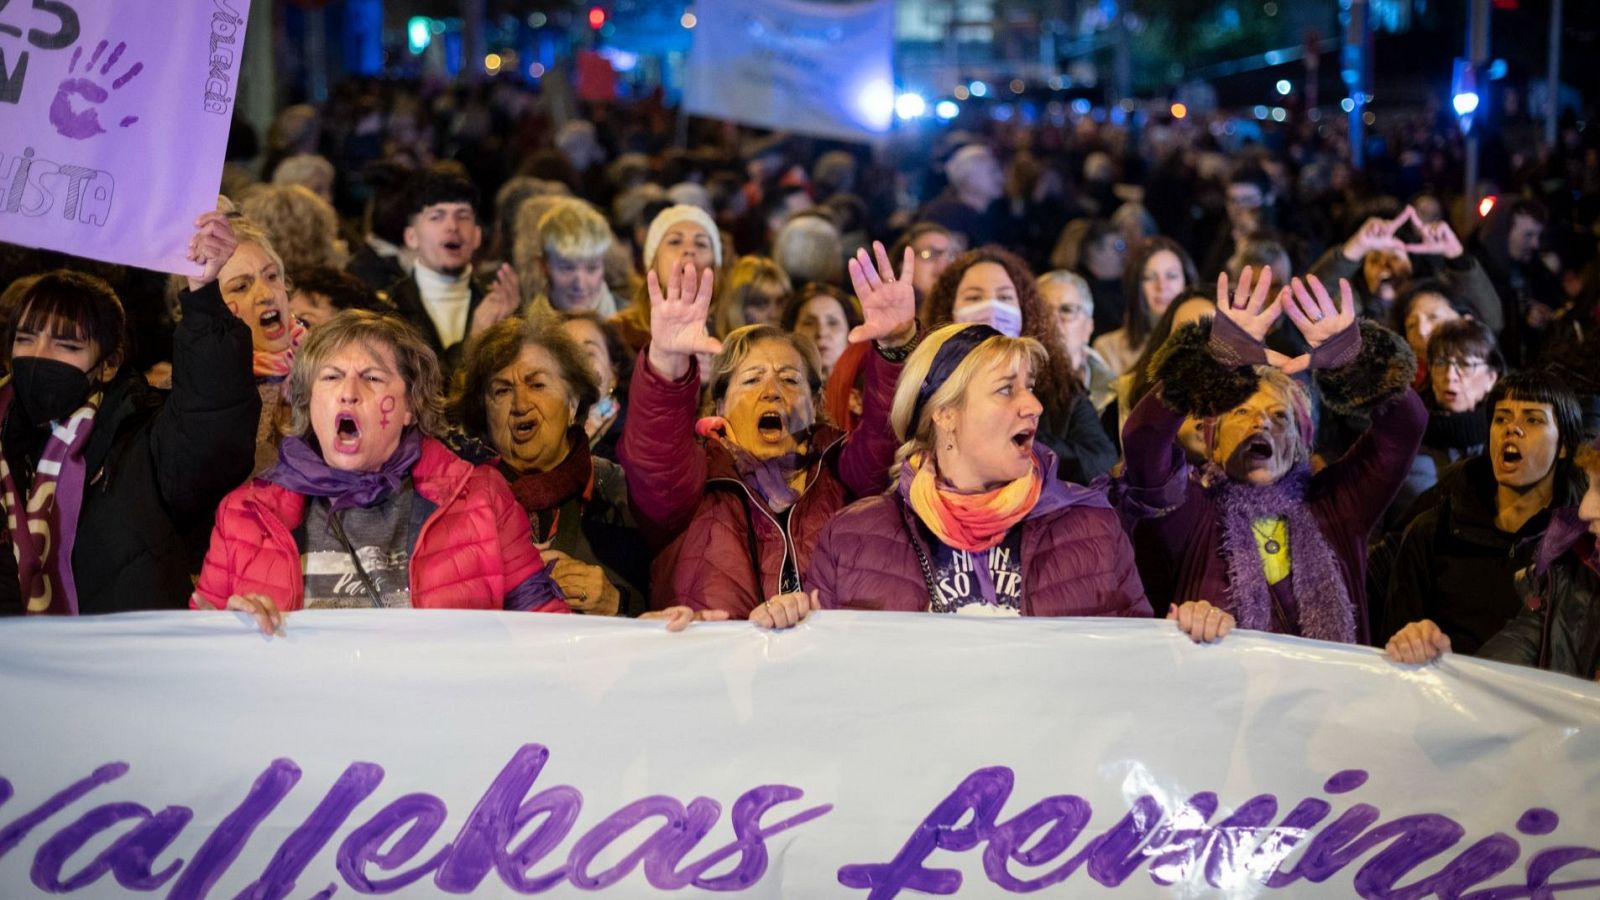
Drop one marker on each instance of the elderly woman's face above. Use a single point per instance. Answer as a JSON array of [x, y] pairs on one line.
[[359, 407], [255, 291], [768, 404], [1258, 439], [530, 407]]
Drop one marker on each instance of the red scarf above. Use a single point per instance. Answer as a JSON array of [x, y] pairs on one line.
[[542, 494]]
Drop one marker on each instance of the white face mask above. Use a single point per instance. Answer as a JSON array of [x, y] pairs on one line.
[[1005, 318]]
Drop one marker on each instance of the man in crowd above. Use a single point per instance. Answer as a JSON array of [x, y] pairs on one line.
[[440, 297]]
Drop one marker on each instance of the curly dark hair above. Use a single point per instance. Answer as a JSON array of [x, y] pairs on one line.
[[1057, 387], [498, 347]]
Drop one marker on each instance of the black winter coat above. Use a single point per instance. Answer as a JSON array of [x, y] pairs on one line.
[[1558, 628], [158, 465], [1455, 567], [407, 300]]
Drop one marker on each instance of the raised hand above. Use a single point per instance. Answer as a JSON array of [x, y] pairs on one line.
[[212, 246], [501, 301], [1438, 239], [1312, 310], [1376, 234], [889, 306], [678, 319], [1247, 307]]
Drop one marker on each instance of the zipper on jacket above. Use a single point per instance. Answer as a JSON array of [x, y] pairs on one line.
[[788, 541], [788, 547]]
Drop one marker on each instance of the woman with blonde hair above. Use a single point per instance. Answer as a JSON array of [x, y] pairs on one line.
[[977, 523], [255, 287], [566, 251], [302, 226], [753, 293]]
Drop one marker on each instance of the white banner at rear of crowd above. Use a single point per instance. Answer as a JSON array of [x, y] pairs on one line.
[[815, 68], [860, 755], [114, 118]]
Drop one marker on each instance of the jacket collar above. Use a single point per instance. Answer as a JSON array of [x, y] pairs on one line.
[[438, 476]]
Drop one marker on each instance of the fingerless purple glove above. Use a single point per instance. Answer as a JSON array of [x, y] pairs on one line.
[[1338, 351], [1231, 345]]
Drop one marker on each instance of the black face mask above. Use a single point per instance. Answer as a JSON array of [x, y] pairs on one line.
[[48, 390]]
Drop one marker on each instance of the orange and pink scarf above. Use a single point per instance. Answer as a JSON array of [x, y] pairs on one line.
[[971, 522]]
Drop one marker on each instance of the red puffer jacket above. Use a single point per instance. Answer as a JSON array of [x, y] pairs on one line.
[[1076, 559], [698, 516], [472, 550]]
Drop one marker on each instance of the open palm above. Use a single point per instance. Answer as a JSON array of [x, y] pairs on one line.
[[678, 317], [888, 305]]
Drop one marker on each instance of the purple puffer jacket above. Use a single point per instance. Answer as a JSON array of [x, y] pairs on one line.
[[1076, 559], [698, 517]]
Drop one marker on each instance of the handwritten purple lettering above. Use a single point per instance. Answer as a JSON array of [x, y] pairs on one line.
[[1173, 845], [389, 850]]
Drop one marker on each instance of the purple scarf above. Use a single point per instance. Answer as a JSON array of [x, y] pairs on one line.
[[768, 478], [300, 468], [1326, 612]]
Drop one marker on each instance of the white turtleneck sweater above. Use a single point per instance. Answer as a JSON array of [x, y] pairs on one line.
[[446, 299]]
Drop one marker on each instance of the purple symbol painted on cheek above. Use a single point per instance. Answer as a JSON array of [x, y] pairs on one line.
[[386, 407], [79, 124]]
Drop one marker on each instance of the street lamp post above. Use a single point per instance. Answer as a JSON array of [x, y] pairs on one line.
[[1478, 55]]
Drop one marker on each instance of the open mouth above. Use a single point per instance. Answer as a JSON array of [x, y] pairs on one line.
[[1258, 450], [770, 426], [272, 325], [346, 433], [1510, 454], [522, 431], [1023, 440], [453, 246]]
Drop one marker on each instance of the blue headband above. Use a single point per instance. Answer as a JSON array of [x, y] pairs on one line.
[[950, 355]]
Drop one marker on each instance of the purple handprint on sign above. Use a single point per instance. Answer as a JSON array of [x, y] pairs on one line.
[[79, 124]]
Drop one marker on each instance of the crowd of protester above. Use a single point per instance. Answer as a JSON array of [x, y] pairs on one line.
[[461, 347]]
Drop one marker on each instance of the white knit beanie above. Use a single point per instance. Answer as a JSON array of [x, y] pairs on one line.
[[671, 216]]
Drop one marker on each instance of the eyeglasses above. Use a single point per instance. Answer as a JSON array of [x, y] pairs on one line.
[[1460, 366], [947, 255]]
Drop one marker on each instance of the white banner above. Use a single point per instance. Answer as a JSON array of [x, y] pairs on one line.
[[114, 117], [859, 755], [801, 66]]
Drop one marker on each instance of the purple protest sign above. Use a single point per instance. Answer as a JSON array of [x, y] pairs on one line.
[[113, 122]]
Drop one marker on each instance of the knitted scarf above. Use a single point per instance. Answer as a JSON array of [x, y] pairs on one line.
[[542, 494], [1326, 611], [971, 522], [44, 524], [771, 478], [302, 469], [274, 364]]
